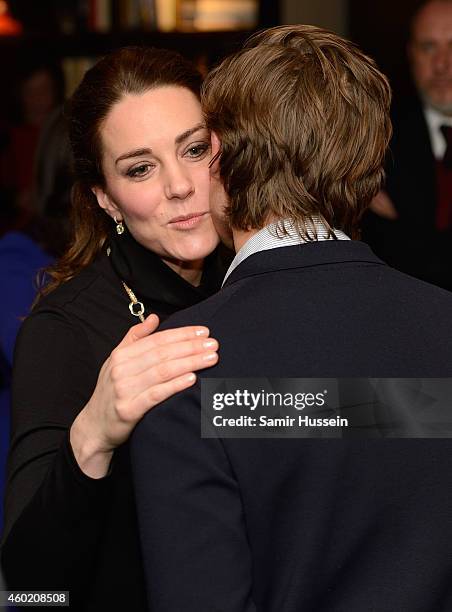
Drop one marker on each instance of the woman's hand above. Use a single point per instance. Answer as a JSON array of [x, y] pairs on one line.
[[142, 371]]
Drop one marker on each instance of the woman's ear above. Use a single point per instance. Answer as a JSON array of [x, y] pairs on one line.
[[105, 202]]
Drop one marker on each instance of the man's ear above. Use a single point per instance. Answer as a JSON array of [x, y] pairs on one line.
[[216, 149], [216, 144], [105, 202]]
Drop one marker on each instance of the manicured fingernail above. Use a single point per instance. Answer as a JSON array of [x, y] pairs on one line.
[[202, 332], [208, 344], [210, 357], [191, 377]]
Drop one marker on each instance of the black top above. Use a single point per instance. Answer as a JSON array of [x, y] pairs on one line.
[[63, 529]]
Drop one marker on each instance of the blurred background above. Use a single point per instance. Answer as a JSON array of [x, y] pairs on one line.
[[46, 46]]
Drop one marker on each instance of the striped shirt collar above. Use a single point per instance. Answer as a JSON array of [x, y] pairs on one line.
[[272, 237]]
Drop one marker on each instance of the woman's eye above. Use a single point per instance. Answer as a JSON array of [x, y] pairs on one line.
[[198, 150], [139, 171]]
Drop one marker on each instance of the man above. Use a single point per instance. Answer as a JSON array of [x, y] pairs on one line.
[[419, 167], [343, 525]]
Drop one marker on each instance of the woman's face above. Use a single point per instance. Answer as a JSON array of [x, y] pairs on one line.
[[156, 154]]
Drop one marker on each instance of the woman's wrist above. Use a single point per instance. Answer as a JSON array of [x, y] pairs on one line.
[[92, 459]]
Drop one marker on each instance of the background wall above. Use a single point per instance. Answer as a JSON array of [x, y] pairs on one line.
[[330, 14], [381, 29]]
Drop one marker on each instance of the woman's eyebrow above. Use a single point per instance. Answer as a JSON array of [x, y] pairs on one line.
[[190, 132], [135, 153], [148, 151]]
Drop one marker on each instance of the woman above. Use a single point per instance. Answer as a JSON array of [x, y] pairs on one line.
[[143, 244]]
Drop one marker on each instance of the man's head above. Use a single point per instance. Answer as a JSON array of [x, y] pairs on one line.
[[430, 53], [303, 121]]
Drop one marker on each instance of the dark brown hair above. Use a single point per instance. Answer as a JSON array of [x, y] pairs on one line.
[[303, 120], [131, 70]]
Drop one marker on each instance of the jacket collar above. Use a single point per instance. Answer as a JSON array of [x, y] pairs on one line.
[[303, 256]]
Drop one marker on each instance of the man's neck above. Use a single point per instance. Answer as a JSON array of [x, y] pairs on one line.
[[444, 110], [240, 237]]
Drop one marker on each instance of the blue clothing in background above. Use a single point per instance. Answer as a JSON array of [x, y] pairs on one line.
[[20, 261]]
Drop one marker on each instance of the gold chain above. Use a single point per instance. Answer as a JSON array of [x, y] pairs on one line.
[[134, 303], [133, 299]]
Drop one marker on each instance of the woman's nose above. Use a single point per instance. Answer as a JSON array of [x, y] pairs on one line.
[[178, 184]]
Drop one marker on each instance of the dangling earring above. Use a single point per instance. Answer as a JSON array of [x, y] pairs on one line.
[[119, 226]]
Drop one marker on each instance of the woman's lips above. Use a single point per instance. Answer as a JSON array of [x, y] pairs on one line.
[[187, 221]]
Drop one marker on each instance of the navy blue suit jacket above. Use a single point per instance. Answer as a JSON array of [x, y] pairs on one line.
[[337, 525]]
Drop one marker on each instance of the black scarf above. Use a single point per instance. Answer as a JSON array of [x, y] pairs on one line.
[[154, 283]]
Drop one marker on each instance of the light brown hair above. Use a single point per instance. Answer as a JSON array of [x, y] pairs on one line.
[[131, 70], [303, 120]]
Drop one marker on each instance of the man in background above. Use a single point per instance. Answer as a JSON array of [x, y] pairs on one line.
[[300, 125], [413, 230]]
